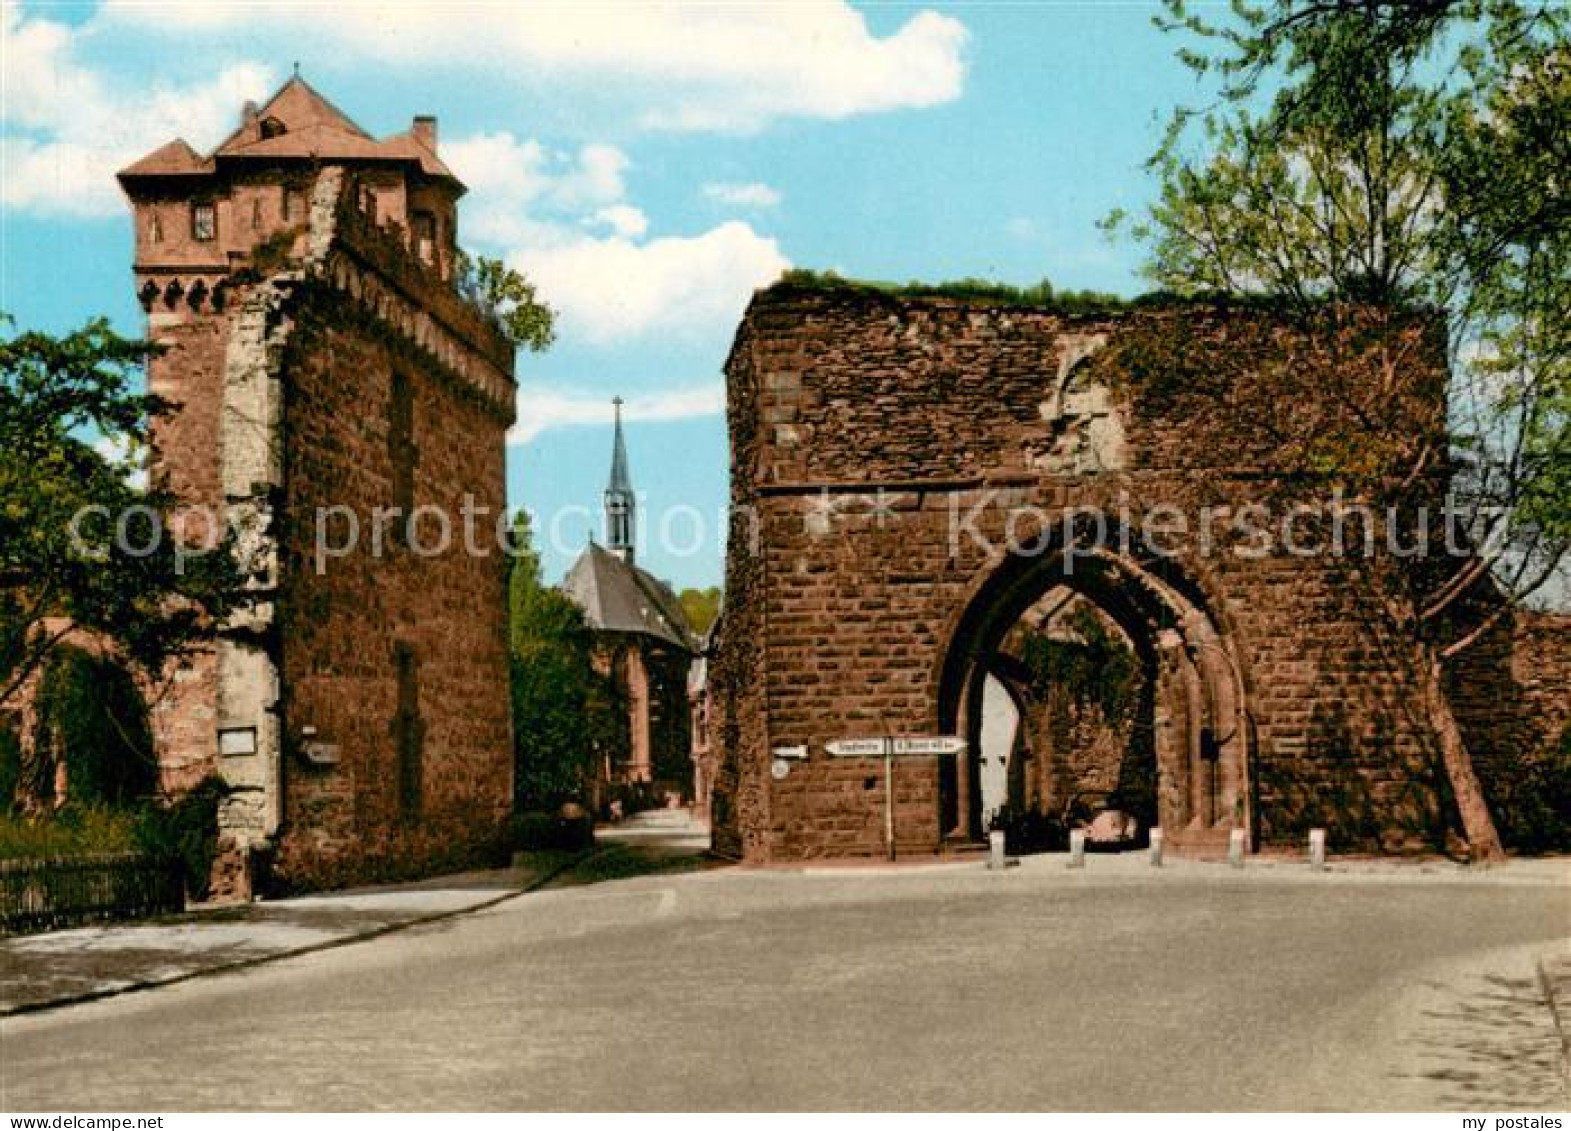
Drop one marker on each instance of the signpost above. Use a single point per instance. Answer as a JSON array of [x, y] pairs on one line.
[[889, 747]]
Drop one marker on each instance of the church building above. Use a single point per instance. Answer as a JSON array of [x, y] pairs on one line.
[[642, 639]]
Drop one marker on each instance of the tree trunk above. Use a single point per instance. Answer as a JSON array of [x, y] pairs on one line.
[[1483, 842]]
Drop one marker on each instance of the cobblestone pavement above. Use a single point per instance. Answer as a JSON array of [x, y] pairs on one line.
[[1116, 987]]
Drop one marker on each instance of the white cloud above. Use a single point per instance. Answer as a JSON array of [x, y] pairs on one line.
[[754, 194], [519, 188], [623, 219], [616, 288], [65, 129], [683, 66], [564, 220], [540, 409]]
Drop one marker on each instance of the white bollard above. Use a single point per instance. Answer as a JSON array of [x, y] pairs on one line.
[[1317, 849], [1077, 848], [1236, 840], [996, 861], [1156, 848]]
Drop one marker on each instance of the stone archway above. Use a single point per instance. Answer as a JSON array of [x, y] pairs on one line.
[[1199, 704]]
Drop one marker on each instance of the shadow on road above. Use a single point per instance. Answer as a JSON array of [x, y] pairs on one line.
[[1494, 1048], [661, 842]]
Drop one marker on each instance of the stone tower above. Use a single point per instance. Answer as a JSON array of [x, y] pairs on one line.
[[338, 404], [621, 513]]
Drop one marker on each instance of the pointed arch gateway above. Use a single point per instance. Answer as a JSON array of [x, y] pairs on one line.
[[1197, 707]]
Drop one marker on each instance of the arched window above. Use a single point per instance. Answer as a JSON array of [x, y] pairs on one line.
[[272, 127], [155, 228]]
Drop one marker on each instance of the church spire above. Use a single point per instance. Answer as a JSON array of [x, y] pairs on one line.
[[619, 502]]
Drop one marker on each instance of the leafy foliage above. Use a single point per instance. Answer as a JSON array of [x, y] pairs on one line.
[[566, 715], [1399, 154], [509, 297], [701, 606], [187, 830], [1096, 670], [77, 830], [975, 290], [91, 715], [61, 498]]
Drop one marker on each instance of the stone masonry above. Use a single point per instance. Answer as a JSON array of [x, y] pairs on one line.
[[884, 446], [323, 368]]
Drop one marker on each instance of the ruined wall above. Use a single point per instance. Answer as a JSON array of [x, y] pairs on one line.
[[885, 446], [1512, 695]]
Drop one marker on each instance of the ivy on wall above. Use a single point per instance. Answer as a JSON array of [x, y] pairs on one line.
[[1096, 670]]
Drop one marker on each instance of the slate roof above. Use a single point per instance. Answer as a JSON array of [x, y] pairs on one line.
[[621, 481], [619, 597]]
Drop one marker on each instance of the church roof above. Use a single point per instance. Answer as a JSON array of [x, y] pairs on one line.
[[621, 480], [312, 129], [619, 597]]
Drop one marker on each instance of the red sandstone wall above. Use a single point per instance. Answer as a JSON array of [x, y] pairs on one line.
[[189, 375], [842, 631], [1512, 695], [338, 631]]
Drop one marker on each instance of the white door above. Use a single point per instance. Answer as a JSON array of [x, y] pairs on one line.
[[1000, 723]]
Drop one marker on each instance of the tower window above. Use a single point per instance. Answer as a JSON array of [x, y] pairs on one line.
[[155, 228], [294, 205], [256, 214], [204, 222], [408, 731], [272, 127], [402, 453], [425, 236]]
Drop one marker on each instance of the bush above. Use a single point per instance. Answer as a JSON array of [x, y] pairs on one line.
[[76, 830], [1535, 810], [91, 715], [188, 831]]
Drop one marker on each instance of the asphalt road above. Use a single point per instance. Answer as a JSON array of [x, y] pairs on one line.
[[1038, 988]]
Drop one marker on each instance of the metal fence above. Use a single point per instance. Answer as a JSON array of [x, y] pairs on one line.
[[47, 894]]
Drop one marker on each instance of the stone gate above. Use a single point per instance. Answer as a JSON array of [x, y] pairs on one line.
[[912, 474]]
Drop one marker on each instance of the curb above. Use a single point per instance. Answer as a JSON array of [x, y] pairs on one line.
[[312, 948], [1548, 982]]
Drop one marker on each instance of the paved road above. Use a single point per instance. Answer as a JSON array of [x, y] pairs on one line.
[[1038, 988]]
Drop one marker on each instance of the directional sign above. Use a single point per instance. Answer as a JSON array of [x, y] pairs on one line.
[[856, 748], [937, 744], [874, 747], [789, 751]]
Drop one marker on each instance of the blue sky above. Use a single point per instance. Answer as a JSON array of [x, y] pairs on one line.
[[648, 167]]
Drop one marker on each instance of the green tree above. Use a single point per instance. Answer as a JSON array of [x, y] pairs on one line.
[[509, 297], [1403, 155], [565, 710], [67, 407], [700, 606]]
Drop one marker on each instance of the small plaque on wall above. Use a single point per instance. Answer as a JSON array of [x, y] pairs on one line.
[[233, 741]]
